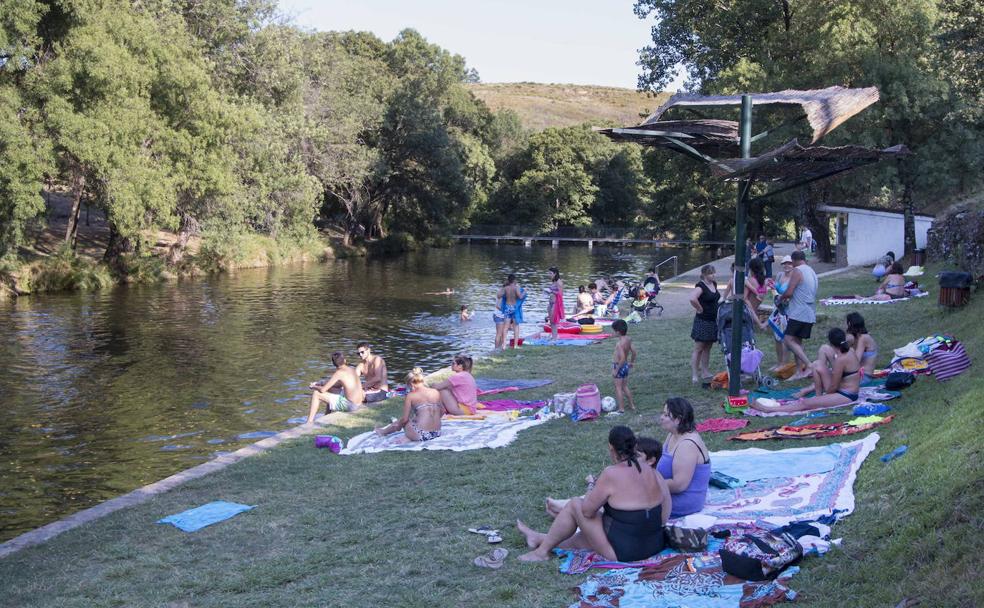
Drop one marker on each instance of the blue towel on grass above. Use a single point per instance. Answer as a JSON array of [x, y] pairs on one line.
[[756, 463], [195, 519]]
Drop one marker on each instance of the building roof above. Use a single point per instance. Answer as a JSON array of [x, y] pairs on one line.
[[866, 210]]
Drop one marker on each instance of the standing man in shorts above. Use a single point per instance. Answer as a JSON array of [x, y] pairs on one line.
[[373, 367], [342, 392], [801, 310]]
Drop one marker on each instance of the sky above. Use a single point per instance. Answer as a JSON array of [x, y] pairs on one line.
[[548, 41]]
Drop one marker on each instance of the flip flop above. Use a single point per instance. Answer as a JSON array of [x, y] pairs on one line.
[[494, 559], [494, 538], [484, 530]]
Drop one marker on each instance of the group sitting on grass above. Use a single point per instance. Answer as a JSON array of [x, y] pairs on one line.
[[625, 509], [349, 388]]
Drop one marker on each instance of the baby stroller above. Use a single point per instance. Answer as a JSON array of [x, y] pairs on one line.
[[651, 303], [751, 357]]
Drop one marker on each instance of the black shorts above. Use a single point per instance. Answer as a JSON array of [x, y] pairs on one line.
[[798, 329]]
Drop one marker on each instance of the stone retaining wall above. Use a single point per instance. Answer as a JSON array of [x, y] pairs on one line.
[[957, 240]]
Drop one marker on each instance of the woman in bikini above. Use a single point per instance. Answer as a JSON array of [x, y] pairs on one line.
[[865, 347], [684, 462], [838, 385], [555, 301], [621, 517], [422, 410], [892, 287]]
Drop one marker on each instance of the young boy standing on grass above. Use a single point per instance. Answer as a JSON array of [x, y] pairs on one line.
[[622, 361]]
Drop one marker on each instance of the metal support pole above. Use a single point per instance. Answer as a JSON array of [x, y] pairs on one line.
[[738, 306]]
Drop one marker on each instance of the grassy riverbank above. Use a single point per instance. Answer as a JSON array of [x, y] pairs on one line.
[[389, 529]]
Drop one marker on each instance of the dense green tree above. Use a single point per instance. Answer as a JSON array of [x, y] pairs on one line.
[[736, 46]]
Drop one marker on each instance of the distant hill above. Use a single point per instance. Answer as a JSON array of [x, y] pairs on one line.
[[560, 105]]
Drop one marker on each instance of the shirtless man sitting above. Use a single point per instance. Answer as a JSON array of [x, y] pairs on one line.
[[373, 367], [342, 392]]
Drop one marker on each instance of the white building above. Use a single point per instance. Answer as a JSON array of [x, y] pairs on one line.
[[866, 234]]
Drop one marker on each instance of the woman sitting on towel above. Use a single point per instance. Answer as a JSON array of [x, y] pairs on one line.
[[459, 393], [865, 347], [839, 385], [685, 462], [585, 304], [892, 286], [422, 410], [620, 518]]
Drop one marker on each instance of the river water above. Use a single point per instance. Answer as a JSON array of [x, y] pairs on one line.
[[106, 391]]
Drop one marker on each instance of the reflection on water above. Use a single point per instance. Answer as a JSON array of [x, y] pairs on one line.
[[104, 392]]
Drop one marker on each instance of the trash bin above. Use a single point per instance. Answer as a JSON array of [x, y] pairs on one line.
[[918, 257], [955, 288]]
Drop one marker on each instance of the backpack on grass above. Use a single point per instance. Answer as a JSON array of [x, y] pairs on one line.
[[896, 380], [759, 555]]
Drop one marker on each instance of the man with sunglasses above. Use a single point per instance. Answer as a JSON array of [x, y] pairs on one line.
[[373, 368]]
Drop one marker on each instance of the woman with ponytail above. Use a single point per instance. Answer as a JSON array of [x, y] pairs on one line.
[[422, 410], [838, 385], [620, 518]]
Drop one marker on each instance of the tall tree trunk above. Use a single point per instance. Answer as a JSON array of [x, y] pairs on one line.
[[817, 220], [116, 247], [78, 186], [908, 207]]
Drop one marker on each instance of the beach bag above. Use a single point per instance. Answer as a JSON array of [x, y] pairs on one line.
[[563, 403], [587, 403], [777, 323], [750, 359], [686, 540], [896, 380], [948, 360], [759, 555]]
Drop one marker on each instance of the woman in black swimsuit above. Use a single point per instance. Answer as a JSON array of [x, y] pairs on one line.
[[620, 518]]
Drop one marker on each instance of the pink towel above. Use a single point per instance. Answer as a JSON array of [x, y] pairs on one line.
[[504, 405], [717, 425]]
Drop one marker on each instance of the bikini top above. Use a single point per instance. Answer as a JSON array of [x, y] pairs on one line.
[[420, 405]]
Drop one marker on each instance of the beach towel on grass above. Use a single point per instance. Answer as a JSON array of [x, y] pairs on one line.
[[814, 431], [845, 301], [558, 342], [505, 405], [717, 425], [777, 501], [691, 580], [195, 519], [866, 394], [456, 435], [546, 334], [489, 386]]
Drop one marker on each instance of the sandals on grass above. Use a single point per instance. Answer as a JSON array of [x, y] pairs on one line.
[[488, 532], [494, 559]]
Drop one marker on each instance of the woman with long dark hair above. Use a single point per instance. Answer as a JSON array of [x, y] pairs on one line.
[[620, 518], [555, 301]]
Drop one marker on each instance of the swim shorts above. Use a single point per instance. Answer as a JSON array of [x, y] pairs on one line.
[[621, 371]]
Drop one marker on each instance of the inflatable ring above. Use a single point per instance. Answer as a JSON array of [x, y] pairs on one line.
[[564, 327], [591, 329]]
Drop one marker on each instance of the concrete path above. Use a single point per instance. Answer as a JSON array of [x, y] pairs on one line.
[[675, 294]]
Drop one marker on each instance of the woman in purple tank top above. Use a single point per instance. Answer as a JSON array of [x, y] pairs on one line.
[[685, 462]]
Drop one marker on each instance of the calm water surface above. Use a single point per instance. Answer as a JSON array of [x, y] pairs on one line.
[[104, 392]]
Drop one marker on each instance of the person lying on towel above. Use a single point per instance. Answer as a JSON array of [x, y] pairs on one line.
[[837, 375], [621, 518]]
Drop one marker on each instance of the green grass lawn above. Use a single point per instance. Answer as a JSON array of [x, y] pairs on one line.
[[390, 529]]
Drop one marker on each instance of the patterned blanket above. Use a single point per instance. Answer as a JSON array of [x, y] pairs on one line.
[[692, 580], [866, 394], [457, 436], [813, 431]]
